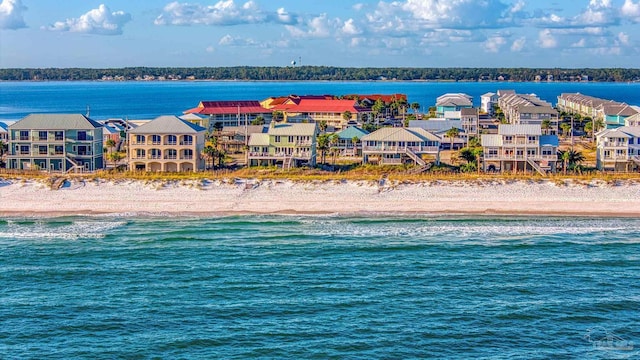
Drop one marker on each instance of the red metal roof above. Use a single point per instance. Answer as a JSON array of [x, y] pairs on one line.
[[228, 107], [373, 97], [320, 105]]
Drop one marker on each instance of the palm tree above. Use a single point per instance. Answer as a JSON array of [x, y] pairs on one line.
[[323, 145], [322, 125], [546, 125], [571, 158], [354, 141], [259, 120], [209, 152], [415, 107], [452, 134], [277, 116], [110, 144], [566, 128], [115, 156], [346, 115]]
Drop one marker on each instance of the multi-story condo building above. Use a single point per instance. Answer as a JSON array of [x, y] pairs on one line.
[[284, 144], [618, 149], [520, 109], [229, 113], [397, 146], [519, 148], [55, 142], [633, 120], [166, 143], [612, 113]]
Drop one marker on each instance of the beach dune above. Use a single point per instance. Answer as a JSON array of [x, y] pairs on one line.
[[247, 196]]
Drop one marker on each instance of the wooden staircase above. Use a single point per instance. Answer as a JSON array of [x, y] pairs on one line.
[[537, 167], [421, 169], [415, 157], [75, 166]]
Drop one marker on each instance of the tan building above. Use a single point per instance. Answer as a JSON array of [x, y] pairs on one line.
[[397, 146], [166, 143]]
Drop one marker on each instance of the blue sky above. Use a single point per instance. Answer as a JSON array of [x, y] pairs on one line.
[[349, 33]]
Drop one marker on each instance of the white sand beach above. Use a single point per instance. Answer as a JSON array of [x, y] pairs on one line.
[[246, 196]]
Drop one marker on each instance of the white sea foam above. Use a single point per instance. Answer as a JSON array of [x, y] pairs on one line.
[[53, 230]]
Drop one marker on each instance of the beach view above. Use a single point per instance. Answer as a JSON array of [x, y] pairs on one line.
[[408, 179]]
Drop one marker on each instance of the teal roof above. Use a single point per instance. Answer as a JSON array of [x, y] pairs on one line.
[[351, 132], [55, 122]]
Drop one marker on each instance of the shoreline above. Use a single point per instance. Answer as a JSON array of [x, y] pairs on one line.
[[352, 198]]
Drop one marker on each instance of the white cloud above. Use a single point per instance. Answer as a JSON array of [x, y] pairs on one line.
[[350, 28], [623, 38], [631, 10], [494, 43], [358, 7], [546, 39], [210, 49], [100, 21], [518, 44], [457, 14], [318, 27], [580, 44], [11, 14], [223, 13]]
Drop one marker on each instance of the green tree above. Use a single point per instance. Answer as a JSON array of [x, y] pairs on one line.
[[323, 144], [452, 134], [259, 120], [566, 129], [210, 152], [346, 116], [570, 158], [546, 125], [217, 126], [110, 144], [277, 116], [322, 125], [415, 107], [115, 157]]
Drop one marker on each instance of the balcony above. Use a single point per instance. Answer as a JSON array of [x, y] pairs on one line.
[[520, 157], [186, 157], [401, 149], [615, 144], [170, 157], [186, 143]]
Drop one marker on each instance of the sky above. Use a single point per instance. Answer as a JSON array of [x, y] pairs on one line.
[[343, 33]]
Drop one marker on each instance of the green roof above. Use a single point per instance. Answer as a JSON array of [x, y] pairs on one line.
[[55, 122]]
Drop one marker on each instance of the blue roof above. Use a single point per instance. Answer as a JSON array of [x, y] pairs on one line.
[[351, 132], [546, 140]]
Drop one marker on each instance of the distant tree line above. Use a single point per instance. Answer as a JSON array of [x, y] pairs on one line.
[[322, 73]]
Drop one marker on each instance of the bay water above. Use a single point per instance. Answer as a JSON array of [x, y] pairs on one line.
[[318, 287]]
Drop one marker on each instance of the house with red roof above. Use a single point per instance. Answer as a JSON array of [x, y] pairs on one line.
[[332, 111], [231, 113]]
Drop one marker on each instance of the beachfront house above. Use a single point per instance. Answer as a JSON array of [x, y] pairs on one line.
[[350, 141], [396, 146], [4, 132], [55, 142], [284, 144], [612, 113], [519, 148], [633, 120], [166, 143], [618, 149]]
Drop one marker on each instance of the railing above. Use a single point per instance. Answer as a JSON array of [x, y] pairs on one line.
[[186, 157], [259, 154], [521, 142], [520, 157], [392, 161], [402, 149], [170, 142], [155, 157], [187, 143], [170, 157], [615, 144]]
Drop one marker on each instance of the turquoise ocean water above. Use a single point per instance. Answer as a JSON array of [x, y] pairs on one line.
[[318, 287]]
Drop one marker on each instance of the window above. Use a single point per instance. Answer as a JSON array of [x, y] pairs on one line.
[[140, 139], [42, 150], [291, 140], [82, 135], [140, 153], [24, 135], [172, 140], [24, 149], [508, 139], [171, 154], [187, 140], [59, 135], [187, 154], [155, 154], [531, 139], [277, 139], [155, 139], [42, 135], [58, 150]]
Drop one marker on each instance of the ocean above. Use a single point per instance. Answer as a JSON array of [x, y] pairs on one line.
[[319, 287], [148, 100]]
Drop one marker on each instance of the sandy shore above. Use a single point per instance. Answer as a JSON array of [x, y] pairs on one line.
[[190, 197]]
